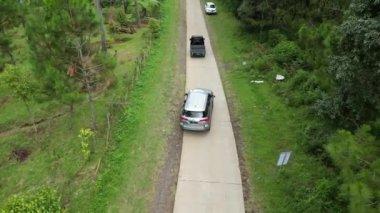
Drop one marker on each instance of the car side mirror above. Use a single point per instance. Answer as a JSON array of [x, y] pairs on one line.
[[185, 97]]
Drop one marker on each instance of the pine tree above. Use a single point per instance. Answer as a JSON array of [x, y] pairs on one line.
[[59, 34]]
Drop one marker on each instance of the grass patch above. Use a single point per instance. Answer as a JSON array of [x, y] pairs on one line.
[[140, 138], [55, 157]]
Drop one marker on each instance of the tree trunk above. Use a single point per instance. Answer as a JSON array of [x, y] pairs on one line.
[[102, 28], [87, 84], [138, 21]]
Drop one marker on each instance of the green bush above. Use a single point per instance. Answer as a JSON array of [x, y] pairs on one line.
[[311, 189], [44, 200], [154, 27], [121, 17], [262, 64], [114, 27], [301, 89], [287, 52], [314, 136], [275, 37]]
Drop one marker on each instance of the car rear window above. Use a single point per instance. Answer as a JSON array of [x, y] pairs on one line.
[[192, 114]]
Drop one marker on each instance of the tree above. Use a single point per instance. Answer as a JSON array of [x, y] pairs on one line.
[[356, 155], [21, 83], [354, 68], [61, 48]]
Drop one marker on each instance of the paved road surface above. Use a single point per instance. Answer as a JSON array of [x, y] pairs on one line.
[[209, 178]]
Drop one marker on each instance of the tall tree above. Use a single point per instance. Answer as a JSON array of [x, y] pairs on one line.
[[355, 68], [61, 47]]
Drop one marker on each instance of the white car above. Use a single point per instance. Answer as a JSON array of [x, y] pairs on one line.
[[210, 8]]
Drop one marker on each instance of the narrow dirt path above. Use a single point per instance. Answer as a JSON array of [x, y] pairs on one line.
[[209, 178]]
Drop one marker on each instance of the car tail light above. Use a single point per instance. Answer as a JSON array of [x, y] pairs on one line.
[[183, 117], [204, 119]]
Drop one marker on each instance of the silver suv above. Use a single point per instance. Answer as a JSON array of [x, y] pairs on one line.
[[197, 110]]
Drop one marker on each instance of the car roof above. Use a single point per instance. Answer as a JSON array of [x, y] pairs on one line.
[[197, 100], [209, 3]]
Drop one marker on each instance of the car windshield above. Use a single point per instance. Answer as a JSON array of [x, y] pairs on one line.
[[211, 6]]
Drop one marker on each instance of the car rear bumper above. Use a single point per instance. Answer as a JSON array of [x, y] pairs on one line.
[[195, 127], [211, 12], [198, 53]]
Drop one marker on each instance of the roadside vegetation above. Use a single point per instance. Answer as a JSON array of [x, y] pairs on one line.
[[75, 101], [326, 110]]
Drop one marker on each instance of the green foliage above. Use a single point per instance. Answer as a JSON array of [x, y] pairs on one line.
[[54, 44], [310, 190], [154, 27], [317, 43], [114, 27], [356, 155], [354, 68], [121, 17], [261, 14], [44, 200], [85, 135], [20, 81], [107, 61], [287, 53], [303, 89], [314, 136], [275, 37], [262, 64], [10, 16]]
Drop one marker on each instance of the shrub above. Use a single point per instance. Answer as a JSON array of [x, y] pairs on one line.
[[311, 189], [114, 27], [85, 135], [262, 64], [44, 200], [275, 37], [287, 52], [154, 27], [121, 17], [314, 135], [302, 89]]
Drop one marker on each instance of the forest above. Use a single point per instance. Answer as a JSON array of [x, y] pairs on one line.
[[64, 82], [330, 53], [68, 69]]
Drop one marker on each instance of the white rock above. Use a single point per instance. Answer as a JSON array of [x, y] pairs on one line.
[[257, 81], [280, 77]]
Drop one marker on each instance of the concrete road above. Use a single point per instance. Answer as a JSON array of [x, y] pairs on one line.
[[209, 178]]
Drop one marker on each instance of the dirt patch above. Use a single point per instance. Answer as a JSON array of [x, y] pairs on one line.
[[165, 187], [20, 154], [5, 100]]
